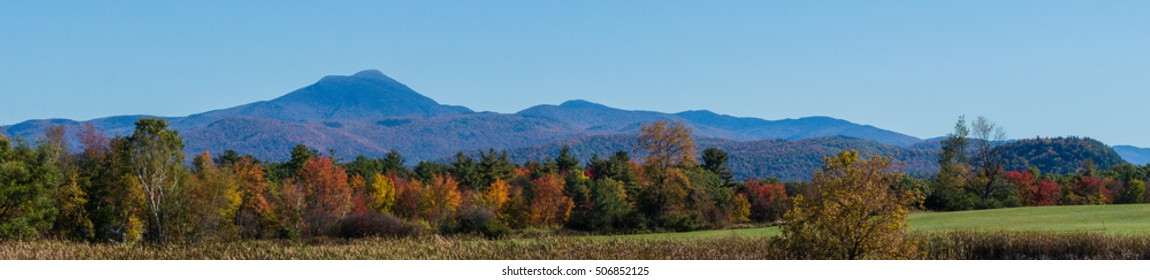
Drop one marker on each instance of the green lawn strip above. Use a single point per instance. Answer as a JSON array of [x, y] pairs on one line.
[[1115, 219]]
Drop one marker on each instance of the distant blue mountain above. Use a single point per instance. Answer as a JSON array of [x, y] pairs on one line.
[[366, 95], [600, 119], [370, 113], [1135, 155]]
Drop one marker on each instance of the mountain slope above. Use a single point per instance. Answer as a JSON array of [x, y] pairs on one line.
[[1059, 155], [416, 138], [600, 119], [365, 95], [1135, 155]]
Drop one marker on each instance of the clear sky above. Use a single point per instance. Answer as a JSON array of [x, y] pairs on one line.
[[1037, 68]]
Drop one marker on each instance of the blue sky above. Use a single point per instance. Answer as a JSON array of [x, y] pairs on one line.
[[1037, 68]]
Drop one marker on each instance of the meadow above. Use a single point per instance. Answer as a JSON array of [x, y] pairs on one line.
[[1132, 219], [1058, 232]]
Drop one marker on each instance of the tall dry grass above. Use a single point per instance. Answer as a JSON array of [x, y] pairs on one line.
[[430, 248], [947, 246]]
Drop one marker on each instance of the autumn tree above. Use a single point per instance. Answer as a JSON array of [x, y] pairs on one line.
[[156, 159], [668, 144], [741, 211], [1087, 189], [115, 203], [767, 201], [361, 200], [208, 203], [68, 196], [670, 149], [254, 213], [1033, 191], [856, 213], [549, 207], [382, 190], [326, 195], [440, 199], [494, 196], [408, 193]]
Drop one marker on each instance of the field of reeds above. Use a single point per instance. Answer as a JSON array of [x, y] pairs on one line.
[[964, 245], [1064, 232], [424, 248]]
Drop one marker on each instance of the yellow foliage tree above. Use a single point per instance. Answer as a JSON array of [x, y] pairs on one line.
[[742, 209], [856, 214], [382, 191]]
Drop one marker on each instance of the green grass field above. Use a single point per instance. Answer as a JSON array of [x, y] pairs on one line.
[[1111, 219]]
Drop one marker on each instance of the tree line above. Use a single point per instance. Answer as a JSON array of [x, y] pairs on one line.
[[140, 188]]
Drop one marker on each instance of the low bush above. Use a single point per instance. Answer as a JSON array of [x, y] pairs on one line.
[[480, 221], [372, 224]]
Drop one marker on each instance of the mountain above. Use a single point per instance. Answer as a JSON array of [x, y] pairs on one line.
[[365, 95], [370, 113], [600, 119], [1135, 155], [1059, 155]]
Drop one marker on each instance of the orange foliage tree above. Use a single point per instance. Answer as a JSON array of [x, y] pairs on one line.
[[494, 196], [440, 199], [326, 194], [254, 210], [549, 207]]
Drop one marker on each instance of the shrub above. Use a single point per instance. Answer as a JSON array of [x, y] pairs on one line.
[[371, 224], [481, 221]]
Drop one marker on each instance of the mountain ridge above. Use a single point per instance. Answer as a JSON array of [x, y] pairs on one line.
[[370, 113]]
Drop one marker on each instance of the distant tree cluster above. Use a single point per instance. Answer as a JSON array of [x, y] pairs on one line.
[[979, 170]]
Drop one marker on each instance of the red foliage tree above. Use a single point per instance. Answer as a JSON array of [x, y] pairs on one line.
[[408, 193], [1047, 193], [768, 201], [1086, 190]]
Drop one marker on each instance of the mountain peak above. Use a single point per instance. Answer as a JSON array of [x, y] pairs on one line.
[[580, 103], [371, 74], [367, 94]]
